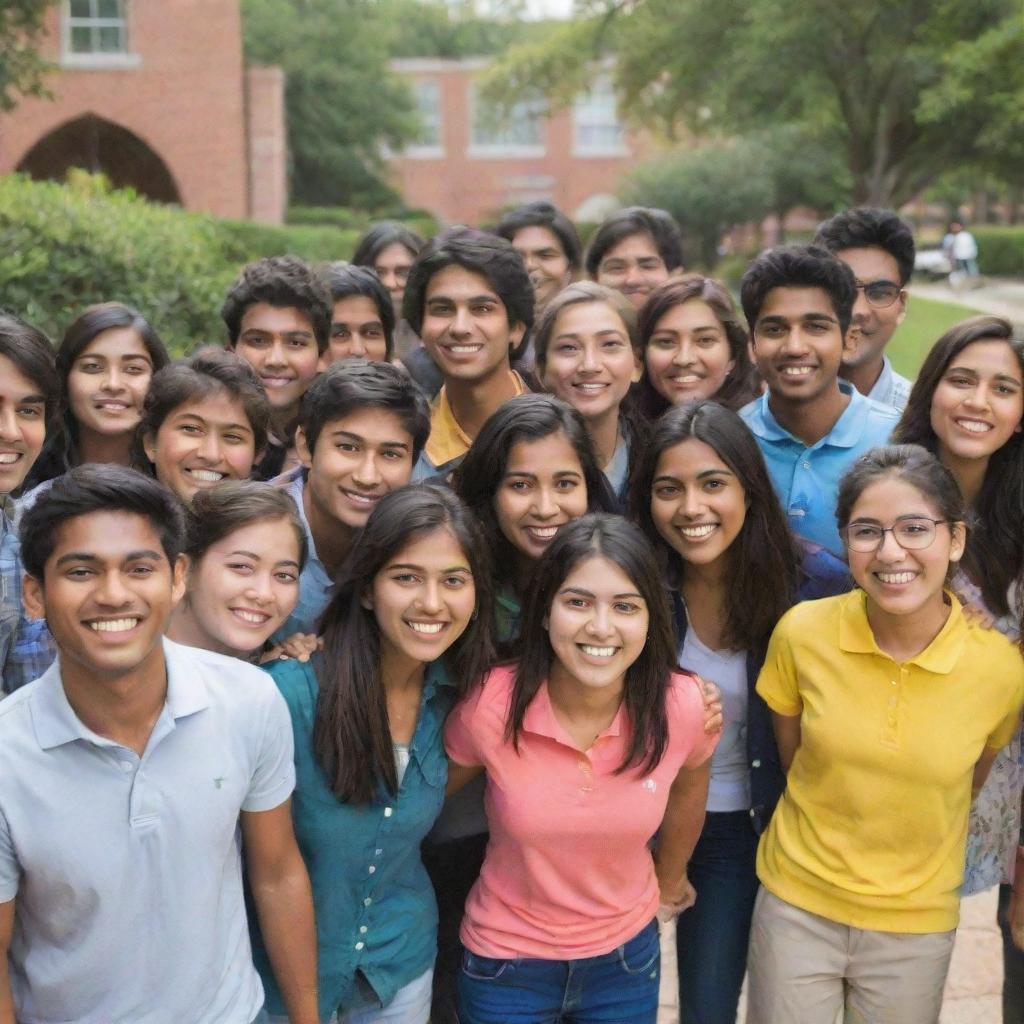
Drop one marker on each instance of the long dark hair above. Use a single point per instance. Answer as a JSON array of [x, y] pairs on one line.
[[524, 418], [600, 535], [994, 557], [740, 386], [351, 734], [763, 568]]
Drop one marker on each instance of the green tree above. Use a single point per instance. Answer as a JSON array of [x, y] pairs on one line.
[[856, 73], [344, 106], [21, 67]]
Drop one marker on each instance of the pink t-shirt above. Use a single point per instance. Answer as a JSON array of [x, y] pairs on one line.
[[568, 872]]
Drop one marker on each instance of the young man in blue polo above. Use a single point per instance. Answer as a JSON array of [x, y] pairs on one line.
[[810, 424], [126, 770]]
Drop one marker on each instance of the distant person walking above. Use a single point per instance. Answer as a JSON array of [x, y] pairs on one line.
[[963, 249]]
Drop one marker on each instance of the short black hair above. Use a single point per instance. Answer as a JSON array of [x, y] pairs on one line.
[[355, 384], [32, 353], [282, 281], [344, 280], [481, 253], [637, 220], [544, 215], [99, 487], [379, 237], [867, 226], [798, 266]]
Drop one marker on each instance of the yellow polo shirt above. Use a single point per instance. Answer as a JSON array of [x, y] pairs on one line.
[[871, 829], [447, 439]]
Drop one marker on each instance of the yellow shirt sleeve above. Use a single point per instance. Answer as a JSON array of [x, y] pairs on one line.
[[1003, 733], [777, 681]]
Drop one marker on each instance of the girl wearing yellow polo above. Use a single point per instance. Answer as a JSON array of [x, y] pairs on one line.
[[889, 707]]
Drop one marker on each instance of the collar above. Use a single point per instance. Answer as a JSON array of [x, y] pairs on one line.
[[882, 388], [541, 721], [845, 433], [940, 656], [447, 439], [56, 723]]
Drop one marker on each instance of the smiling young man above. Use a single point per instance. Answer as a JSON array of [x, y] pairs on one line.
[[29, 393], [470, 299], [125, 771], [361, 429], [879, 248], [811, 425], [278, 316]]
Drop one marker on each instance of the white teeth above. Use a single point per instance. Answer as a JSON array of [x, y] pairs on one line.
[[256, 618], [597, 652], [797, 371], [6, 458], [591, 387], [974, 426], [113, 625], [896, 577], [696, 532], [363, 499], [543, 532], [464, 349], [689, 378], [207, 475], [429, 628]]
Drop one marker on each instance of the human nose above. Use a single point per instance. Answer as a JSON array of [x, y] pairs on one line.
[[544, 504], [794, 342], [9, 423], [113, 380], [276, 355], [260, 587], [589, 360], [599, 624], [209, 447], [367, 473], [977, 397], [861, 306], [889, 548], [633, 274], [430, 597], [356, 346], [684, 354], [111, 591], [692, 503]]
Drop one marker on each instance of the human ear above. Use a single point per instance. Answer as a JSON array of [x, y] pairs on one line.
[[302, 448], [958, 542], [33, 597]]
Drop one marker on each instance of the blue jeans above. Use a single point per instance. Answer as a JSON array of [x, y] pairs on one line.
[[620, 987], [712, 936]]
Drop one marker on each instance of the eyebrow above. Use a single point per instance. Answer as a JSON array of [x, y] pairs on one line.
[[485, 297], [702, 475], [88, 556], [363, 440], [674, 330], [587, 593], [974, 373], [420, 568], [868, 521], [533, 476], [803, 318], [202, 419], [298, 332], [31, 400]]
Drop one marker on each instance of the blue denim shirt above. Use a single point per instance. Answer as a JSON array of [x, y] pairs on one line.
[[375, 907], [806, 479]]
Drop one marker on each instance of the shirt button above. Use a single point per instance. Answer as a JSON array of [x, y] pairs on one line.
[[367, 901], [372, 869], [756, 763], [388, 812], [377, 853], [360, 945], [362, 930], [752, 812], [126, 766], [893, 681], [805, 464]]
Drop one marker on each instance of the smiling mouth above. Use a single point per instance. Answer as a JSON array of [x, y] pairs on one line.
[[597, 652], [593, 387], [543, 533], [973, 426], [250, 617], [359, 498], [795, 371], [426, 628], [698, 532], [111, 405], [276, 382], [9, 458], [113, 625], [895, 579], [205, 476], [463, 350]]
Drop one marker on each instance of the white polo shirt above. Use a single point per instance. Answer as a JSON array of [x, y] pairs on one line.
[[127, 870]]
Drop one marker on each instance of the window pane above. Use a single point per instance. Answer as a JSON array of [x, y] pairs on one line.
[[110, 9], [80, 9], [428, 103], [81, 40], [520, 126], [110, 40]]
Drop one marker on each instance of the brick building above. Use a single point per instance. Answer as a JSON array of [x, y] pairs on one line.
[[155, 94], [468, 164]]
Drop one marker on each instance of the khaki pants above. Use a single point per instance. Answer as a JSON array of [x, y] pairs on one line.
[[805, 969]]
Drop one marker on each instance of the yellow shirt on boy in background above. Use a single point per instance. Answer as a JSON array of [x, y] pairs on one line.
[[871, 829]]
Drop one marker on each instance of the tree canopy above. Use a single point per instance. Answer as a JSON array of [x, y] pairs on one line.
[[21, 68]]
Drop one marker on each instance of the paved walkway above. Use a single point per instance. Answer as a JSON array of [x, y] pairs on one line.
[[1001, 296], [975, 975]]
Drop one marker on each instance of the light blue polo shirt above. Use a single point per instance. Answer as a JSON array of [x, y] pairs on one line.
[[126, 870], [807, 478]]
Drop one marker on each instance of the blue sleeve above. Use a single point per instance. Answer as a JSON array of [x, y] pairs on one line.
[[823, 574]]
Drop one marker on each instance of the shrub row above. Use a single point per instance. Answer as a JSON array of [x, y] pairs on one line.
[[1000, 250]]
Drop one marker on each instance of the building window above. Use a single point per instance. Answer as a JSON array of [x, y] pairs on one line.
[[96, 27], [515, 132], [596, 127], [427, 94]]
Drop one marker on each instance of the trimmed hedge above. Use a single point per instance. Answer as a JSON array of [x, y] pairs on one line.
[[1000, 250], [245, 240]]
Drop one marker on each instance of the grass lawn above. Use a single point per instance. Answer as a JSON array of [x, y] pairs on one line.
[[926, 320]]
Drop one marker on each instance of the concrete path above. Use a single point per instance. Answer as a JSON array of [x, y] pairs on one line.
[[997, 295], [972, 989]]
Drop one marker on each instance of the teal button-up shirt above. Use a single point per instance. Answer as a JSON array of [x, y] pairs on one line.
[[375, 908]]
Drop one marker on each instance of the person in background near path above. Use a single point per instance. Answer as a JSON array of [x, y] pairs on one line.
[[361, 429], [883, 746], [246, 547], [389, 249], [408, 630], [693, 345], [967, 408], [879, 248], [591, 743], [964, 251], [105, 363], [150, 757], [634, 251], [811, 425], [470, 299], [703, 497], [552, 251], [278, 316], [587, 354], [363, 321], [29, 400], [206, 420]]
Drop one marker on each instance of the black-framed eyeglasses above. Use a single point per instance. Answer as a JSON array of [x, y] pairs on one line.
[[880, 294], [912, 534]]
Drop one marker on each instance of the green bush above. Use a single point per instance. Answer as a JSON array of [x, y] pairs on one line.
[[1000, 250], [333, 216], [63, 247], [245, 240]]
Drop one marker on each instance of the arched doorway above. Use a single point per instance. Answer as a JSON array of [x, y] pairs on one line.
[[99, 145]]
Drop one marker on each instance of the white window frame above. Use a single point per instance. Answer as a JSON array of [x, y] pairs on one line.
[[506, 150], [97, 59], [586, 111], [431, 150]]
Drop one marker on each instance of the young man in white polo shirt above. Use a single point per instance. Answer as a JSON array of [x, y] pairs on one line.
[[124, 772]]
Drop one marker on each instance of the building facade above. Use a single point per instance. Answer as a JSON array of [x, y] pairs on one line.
[[470, 164], [155, 94]]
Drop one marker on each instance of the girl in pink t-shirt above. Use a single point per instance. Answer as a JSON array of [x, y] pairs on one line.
[[591, 743]]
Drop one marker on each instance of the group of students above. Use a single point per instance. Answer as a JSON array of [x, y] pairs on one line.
[[409, 656]]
